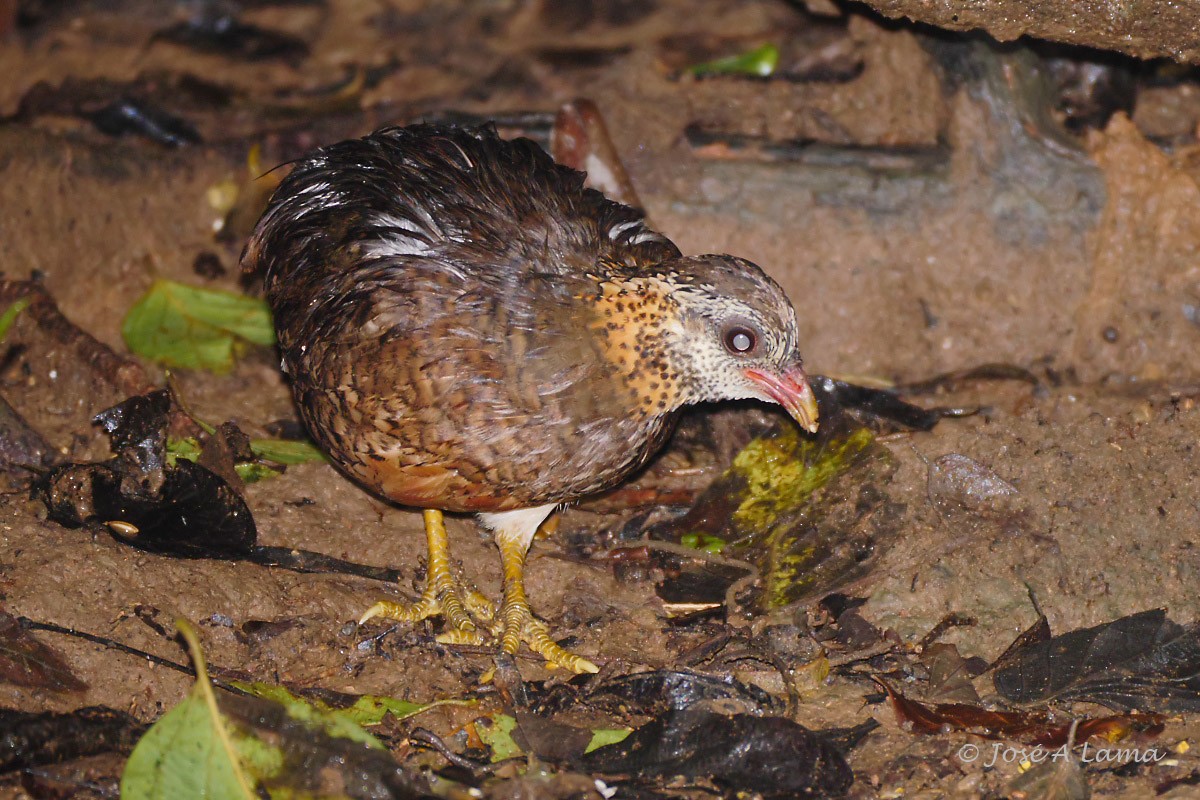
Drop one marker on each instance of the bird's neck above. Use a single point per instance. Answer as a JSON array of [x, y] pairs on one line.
[[637, 323]]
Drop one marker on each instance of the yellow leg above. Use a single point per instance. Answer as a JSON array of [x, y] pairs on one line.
[[442, 593], [515, 622]]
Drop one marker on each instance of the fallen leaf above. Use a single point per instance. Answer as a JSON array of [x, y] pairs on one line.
[[497, 733], [1032, 727], [772, 757], [194, 328], [287, 451], [37, 739], [800, 509], [1142, 661], [25, 661], [231, 747], [760, 62], [11, 313], [192, 751], [361, 710], [602, 737]]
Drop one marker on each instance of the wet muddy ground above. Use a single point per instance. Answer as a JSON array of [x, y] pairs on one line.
[[931, 202]]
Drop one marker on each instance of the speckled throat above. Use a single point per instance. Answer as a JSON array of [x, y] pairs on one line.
[[637, 320]]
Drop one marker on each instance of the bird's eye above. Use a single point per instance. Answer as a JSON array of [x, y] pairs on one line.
[[739, 340]]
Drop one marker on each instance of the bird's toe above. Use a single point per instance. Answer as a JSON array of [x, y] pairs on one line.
[[517, 624]]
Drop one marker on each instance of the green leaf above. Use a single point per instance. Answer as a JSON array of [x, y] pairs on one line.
[[188, 449], [190, 752], [196, 752], [760, 62], [287, 451], [195, 328], [606, 736], [703, 541], [315, 715], [366, 710], [11, 313], [253, 472], [498, 736], [279, 451]]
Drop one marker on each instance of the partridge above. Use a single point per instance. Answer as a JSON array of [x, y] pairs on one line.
[[467, 328]]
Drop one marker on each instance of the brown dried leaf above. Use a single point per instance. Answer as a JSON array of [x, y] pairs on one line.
[[1031, 727], [25, 661]]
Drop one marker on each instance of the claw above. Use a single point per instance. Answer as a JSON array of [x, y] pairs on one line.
[[512, 624], [515, 619], [442, 596]]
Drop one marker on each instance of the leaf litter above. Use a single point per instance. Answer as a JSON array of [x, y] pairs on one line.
[[152, 496], [768, 513], [1143, 665], [805, 514], [27, 661], [228, 747]]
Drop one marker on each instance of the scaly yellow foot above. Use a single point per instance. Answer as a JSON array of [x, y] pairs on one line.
[[515, 622], [442, 596]]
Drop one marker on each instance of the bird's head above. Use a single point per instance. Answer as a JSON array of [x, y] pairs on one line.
[[708, 328]]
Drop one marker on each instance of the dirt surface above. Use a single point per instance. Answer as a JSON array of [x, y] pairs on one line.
[[919, 198]]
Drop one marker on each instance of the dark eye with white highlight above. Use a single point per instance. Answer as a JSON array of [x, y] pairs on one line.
[[740, 340]]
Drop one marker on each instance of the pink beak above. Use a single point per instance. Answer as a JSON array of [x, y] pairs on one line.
[[790, 390]]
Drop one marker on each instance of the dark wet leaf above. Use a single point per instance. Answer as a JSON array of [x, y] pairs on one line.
[[1143, 661], [227, 35], [224, 449], [1190, 779], [1039, 631], [191, 512], [849, 628], [35, 739], [878, 408], [20, 445], [181, 508], [141, 118], [662, 690], [195, 328], [760, 62], [25, 661], [740, 754], [550, 739], [802, 510], [195, 514], [137, 432], [1032, 727]]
